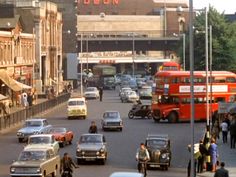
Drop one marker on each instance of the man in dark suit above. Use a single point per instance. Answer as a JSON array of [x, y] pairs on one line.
[[222, 172]]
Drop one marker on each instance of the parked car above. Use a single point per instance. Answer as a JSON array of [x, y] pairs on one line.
[[62, 135], [43, 141], [39, 162], [31, 127], [91, 147], [112, 120], [140, 82], [123, 89], [126, 174], [77, 107], [145, 93], [133, 85], [130, 96], [91, 93], [159, 149]]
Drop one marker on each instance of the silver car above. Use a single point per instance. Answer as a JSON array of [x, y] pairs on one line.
[[126, 174], [32, 127], [91, 147], [112, 120], [91, 93], [36, 162]]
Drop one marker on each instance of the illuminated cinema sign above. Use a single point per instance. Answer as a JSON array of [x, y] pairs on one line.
[[98, 2]]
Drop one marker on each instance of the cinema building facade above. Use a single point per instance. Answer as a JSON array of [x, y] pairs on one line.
[[134, 33]]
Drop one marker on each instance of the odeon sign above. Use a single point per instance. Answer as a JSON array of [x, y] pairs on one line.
[[98, 2]]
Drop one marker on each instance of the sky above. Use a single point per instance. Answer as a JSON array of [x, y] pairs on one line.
[[226, 6]]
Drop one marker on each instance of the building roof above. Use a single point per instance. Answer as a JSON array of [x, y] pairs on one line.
[[27, 19], [9, 23]]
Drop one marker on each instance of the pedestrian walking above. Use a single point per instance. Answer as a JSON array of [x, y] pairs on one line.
[[232, 130], [30, 99], [100, 93], [213, 150], [201, 158], [222, 172], [24, 100], [224, 129]]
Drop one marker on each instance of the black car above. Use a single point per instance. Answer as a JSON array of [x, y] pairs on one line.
[[159, 150]]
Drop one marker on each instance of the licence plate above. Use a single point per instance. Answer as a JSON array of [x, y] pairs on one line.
[[154, 165], [90, 159]]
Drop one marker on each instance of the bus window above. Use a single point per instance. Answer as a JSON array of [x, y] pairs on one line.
[[220, 80], [199, 80], [185, 80], [175, 80], [185, 101], [169, 100], [219, 99], [231, 79]]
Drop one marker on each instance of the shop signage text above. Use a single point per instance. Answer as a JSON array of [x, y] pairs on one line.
[[99, 2]]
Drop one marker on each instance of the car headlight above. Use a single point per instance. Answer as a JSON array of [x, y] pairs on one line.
[[83, 153], [102, 150], [19, 133], [38, 170], [97, 153], [13, 170], [164, 156], [78, 150]]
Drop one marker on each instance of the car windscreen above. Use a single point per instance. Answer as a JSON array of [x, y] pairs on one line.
[[75, 103], [110, 115], [90, 89], [32, 155], [57, 130], [39, 140], [156, 143], [33, 123], [90, 139]]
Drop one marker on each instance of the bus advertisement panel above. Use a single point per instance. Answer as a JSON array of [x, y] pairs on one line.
[[171, 99]]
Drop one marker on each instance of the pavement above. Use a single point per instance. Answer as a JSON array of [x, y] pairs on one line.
[[227, 155]]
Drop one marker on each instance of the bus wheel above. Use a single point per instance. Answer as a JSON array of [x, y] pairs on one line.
[[173, 117]]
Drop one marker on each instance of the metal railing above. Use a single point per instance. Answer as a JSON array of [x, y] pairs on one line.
[[17, 117]]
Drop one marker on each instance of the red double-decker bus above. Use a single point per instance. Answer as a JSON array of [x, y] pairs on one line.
[[170, 66], [171, 98]]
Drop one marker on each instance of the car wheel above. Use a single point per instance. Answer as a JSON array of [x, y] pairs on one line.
[[149, 115], [68, 117], [103, 161], [166, 167], [20, 140], [84, 117], [79, 161], [131, 114], [120, 129], [172, 117], [54, 174]]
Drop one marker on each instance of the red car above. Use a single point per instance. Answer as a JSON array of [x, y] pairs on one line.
[[62, 135]]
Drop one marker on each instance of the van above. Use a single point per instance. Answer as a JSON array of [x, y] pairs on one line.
[[77, 107]]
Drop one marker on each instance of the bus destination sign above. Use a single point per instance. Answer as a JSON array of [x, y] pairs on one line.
[[99, 2]]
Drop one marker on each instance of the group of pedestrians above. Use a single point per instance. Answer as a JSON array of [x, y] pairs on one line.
[[27, 98], [228, 125]]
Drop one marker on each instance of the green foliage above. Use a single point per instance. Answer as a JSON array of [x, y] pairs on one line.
[[223, 42]]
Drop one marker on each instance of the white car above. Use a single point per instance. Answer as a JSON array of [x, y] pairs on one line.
[[91, 93], [77, 107], [42, 141], [126, 174]]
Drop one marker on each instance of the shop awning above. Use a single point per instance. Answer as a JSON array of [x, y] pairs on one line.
[[12, 83], [2, 97]]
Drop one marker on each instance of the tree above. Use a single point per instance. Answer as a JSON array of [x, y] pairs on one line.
[[223, 41]]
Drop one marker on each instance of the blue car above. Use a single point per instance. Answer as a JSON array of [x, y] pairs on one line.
[[32, 127]]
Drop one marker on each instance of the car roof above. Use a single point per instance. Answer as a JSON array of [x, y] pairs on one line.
[[35, 119], [39, 148], [41, 135], [92, 134], [77, 98], [158, 136], [126, 174]]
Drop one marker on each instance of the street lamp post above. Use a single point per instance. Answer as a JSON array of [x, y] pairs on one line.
[[133, 48], [184, 53], [191, 52], [81, 64]]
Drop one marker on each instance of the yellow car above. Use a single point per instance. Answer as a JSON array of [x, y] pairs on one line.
[[76, 108]]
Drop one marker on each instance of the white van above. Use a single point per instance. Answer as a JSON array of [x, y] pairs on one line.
[[77, 107]]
